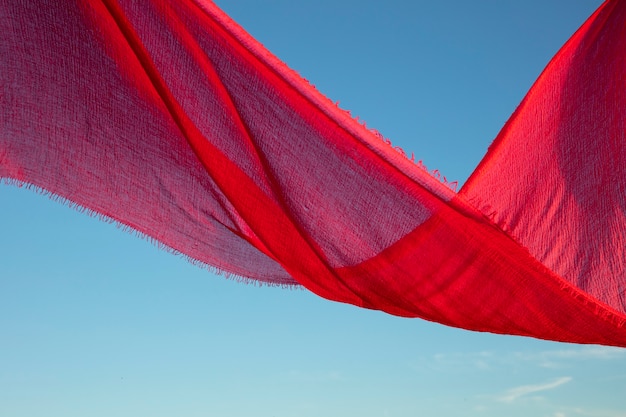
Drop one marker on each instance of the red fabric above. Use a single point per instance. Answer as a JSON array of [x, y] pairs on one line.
[[168, 118], [555, 177]]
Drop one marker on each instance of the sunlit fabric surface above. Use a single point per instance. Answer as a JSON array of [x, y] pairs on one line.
[[170, 119]]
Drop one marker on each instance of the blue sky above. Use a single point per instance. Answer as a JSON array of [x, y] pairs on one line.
[[97, 322]]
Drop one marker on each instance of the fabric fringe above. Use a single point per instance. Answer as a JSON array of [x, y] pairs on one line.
[[307, 89], [143, 236]]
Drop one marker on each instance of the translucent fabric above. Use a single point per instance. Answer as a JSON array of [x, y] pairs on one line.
[[170, 119]]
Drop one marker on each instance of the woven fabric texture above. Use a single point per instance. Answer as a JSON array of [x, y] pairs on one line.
[[168, 118]]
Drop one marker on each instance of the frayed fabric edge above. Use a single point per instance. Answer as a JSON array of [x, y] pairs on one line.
[[342, 117], [8, 181]]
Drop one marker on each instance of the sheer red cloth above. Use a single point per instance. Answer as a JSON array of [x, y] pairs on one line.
[[170, 119]]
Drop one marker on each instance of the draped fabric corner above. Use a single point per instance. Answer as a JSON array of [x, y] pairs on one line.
[[170, 119]]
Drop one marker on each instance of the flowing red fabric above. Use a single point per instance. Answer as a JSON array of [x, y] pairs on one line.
[[170, 119]]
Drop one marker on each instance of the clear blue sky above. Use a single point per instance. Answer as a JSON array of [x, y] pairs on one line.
[[97, 322]]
